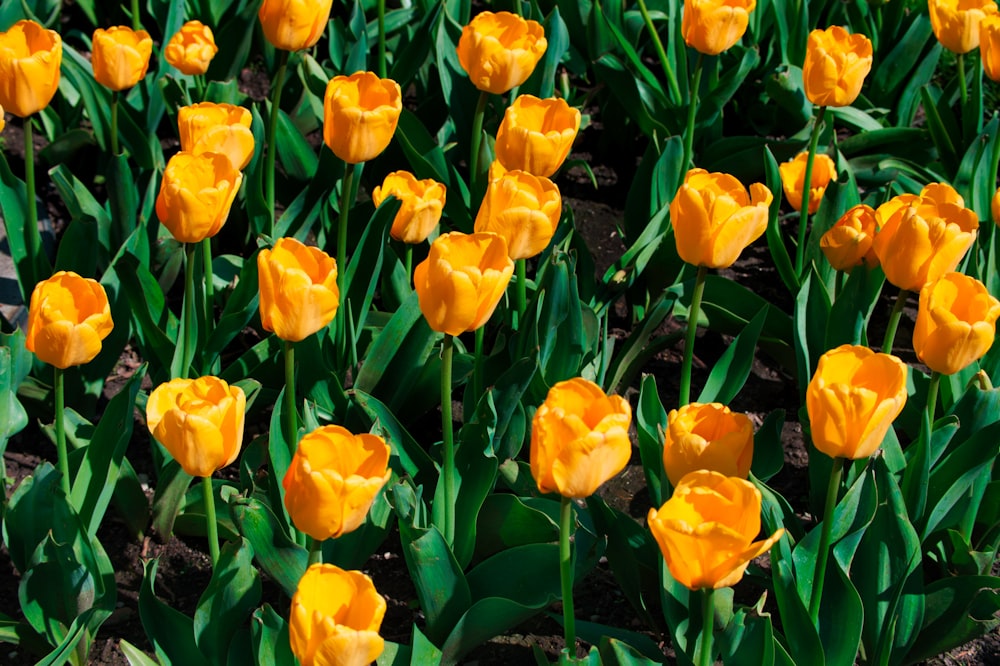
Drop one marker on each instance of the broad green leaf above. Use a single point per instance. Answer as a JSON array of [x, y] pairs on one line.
[[170, 631], [731, 371], [442, 589], [231, 596], [277, 555], [270, 638]]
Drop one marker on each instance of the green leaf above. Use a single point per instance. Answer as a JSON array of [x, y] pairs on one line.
[[768, 452], [172, 484], [505, 521], [13, 206], [277, 555], [775, 237], [651, 423], [731, 371], [296, 155], [231, 596], [442, 589], [408, 457], [170, 632], [270, 638], [13, 418], [135, 656], [957, 610]]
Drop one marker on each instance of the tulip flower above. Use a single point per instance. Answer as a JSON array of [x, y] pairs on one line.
[[421, 203], [360, 113], [793, 176], [217, 128], [836, 65], [298, 289], [68, 317], [191, 49], [120, 56], [708, 437], [3, 121], [536, 135], [30, 57], [849, 242], [995, 207], [714, 26], [956, 323], [989, 46], [499, 51], [957, 23], [293, 25], [335, 618], [525, 210], [333, 479], [196, 194]]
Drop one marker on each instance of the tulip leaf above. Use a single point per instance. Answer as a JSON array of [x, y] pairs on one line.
[[30, 513], [637, 98], [768, 452], [972, 180], [277, 555], [269, 632], [942, 127], [749, 636], [154, 323], [731, 371], [13, 207], [505, 521], [135, 656], [354, 549], [812, 311], [853, 307], [651, 423], [172, 485], [958, 609], [710, 107], [774, 235], [615, 652], [364, 269], [13, 417], [83, 627], [170, 631], [635, 60], [485, 619], [240, 307], [800, 635], [296, 155], [408, 457], [641, 346], [231, 596]]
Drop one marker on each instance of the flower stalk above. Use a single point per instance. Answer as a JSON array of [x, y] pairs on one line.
[[448, 440], [707, 627], [692, 331], [291, 417], [807, 189], [59, 385], [823, 553], [692, 115], [566, 573], [894, 317], [272, 132], [210, 522]]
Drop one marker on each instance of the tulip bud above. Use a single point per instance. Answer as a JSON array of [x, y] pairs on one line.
[[298, 289], [989, 46], [199, 421], [30, 57], [192, 48], [957, 23], [120, 56], [793, 178], [536, 135], [849, 242], [196, 195], [956, 323], [709, 437], [836, 65], [499, 51], [714, 26], [217, 128], [995, 207], [293, 25], [3, 121], [579, 438], [420, 205], [360, 114], [525, 210], [68, 317]]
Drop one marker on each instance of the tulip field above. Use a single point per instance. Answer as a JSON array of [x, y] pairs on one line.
[[518, 332]]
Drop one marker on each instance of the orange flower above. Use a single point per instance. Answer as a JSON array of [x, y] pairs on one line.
[[709, 437], [849, 242], [192, 48], [30, 57], [420, 205], [360, 114], [714, 26], [217, 128], [793, 178], [68, 318], [298, 289], [499, 51], [957, 23], [525, 210], [536, 135], [956, 323], [836, 65], [121, 56], [196, 194], [293, 25]]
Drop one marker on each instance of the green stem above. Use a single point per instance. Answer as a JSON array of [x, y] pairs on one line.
[[114, 123], [823, 554], [347, 186], [272, 132], [200, 86], [932, 393], [33, 239], [206, 255], [135, 15], [566, 574], [60, 396], [521, 289], [186, 356], [315, 551], [692, 115], [692, 331], [894, 316], [961, 80], [477, 369], [210, 522], [807, 189], [707, 627], [668, 71], [838, 284], [381, 39], [448, 461], [408, 263], [477, 138], [291, 416]]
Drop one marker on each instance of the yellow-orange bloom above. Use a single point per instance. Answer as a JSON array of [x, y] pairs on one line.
[[956, 323], [3, 121], [852, 400], [707, 436], [793, 178], [525, 210], [462, 280], [333, 479], [68, 317], [120, 56], [196, 194], [30, 57], [536, 135], [956, 23], [579, 438], [192, 48], [989, 46], [293, 25], [995, 207], [706, 530], [714, 217], [217, 128], [360, 114], [199, 421], [836, 65], [714, 26], [922, 237], [335, 618], [499, 51], [849, 242], [298, 289], [420, 205]]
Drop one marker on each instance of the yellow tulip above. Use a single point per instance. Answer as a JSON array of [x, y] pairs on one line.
[[536, 135], [420, 205], [333, 479], [335, 618], [462, 280], [836, 65], [293, 25], [199, 421], [849, 242], [956, 23], [989, 46], [714, 26], [922, 237], [196, 194], [3, 121], [120, 56], [192, 48], [217, 128], [499, 51], [956, 323], [706, 530], [709, 437], [298, 289], [852, 400], [995, 207], [68, 317], [30, 57], [793, 178], [360, 114], [579, 438], [525, 210], [714, 217]]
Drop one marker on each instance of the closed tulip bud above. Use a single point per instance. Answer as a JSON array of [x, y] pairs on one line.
[[192, 48], [525, 210], [420, 205], [579, 438], [298, 289], [995, 207], [836, 65], [333, 479], [989, 46], [199, 421], [462, 280], [3, 121], [293, 25], [922, 237], [849, 242], [536, 135], [30, 57], [956, 23], [793, 178], [217, 128], [68, 317], [706, 530], [852, 400], [196, 194], [707, 436], [499, 51], [360, 114], [714, 26], [120, 56], [714, 217], [956, 323], [335, 618]]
